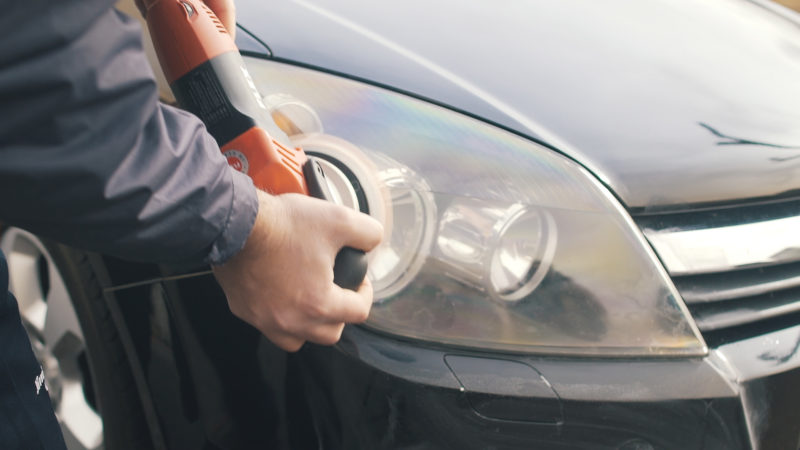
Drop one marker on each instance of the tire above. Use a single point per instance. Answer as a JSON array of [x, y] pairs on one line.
[[77, 343]]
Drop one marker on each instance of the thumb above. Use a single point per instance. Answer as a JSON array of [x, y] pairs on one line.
[[360, 231]]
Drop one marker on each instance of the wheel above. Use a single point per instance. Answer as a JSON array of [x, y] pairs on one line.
[[75, 340]]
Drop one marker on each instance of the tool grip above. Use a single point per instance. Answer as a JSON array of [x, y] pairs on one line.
[[350, 265]]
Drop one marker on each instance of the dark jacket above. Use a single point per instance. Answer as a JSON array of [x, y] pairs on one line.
[[87, 154]]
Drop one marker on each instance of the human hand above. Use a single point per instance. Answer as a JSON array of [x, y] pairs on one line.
[[225, 10], [281, 282]]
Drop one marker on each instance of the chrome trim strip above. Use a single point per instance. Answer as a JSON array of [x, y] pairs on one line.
[[687, 252], [715, 293], [743, 315]]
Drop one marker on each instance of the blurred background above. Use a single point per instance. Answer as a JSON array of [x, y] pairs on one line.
[[794, 4]]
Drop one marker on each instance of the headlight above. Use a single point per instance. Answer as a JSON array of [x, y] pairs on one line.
[[493, 241]]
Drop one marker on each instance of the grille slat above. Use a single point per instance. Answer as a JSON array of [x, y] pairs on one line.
[[719, 315], [717, 287]]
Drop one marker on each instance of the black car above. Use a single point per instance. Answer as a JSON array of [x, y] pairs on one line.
[[593, 241]]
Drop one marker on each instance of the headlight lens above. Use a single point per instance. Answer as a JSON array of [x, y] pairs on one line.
[[492, 241]]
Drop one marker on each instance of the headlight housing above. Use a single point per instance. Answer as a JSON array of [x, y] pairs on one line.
[[492, 241]]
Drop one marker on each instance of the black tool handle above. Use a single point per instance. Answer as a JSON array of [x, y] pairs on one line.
[[350, 266]]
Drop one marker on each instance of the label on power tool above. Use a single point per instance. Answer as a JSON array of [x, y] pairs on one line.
[[237, 160]]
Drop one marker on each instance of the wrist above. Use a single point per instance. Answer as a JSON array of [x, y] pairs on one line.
[[239, 221], [267, 226]]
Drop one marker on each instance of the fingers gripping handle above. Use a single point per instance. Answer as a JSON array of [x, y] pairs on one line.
[[350, 266]]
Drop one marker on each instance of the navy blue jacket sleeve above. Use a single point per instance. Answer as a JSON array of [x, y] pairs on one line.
[[89, 157]]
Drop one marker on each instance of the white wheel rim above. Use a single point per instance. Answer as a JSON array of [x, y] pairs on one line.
[[55, 333]]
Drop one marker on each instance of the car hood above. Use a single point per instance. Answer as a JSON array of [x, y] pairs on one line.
[[671, 104]]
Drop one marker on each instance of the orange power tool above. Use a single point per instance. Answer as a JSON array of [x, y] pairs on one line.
[[208, 77]]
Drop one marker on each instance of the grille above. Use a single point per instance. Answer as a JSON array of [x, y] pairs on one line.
[[724, 300], [753, 285]]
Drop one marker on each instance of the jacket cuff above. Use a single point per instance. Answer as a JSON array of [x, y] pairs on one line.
[[241, 218]]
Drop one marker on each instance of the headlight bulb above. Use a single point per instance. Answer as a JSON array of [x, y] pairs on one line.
[[504, 251], [406, 246]]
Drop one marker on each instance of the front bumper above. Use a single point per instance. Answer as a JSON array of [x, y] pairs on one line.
[[378, 392]]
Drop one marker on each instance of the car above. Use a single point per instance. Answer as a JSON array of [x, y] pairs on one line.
[[591, 213]]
